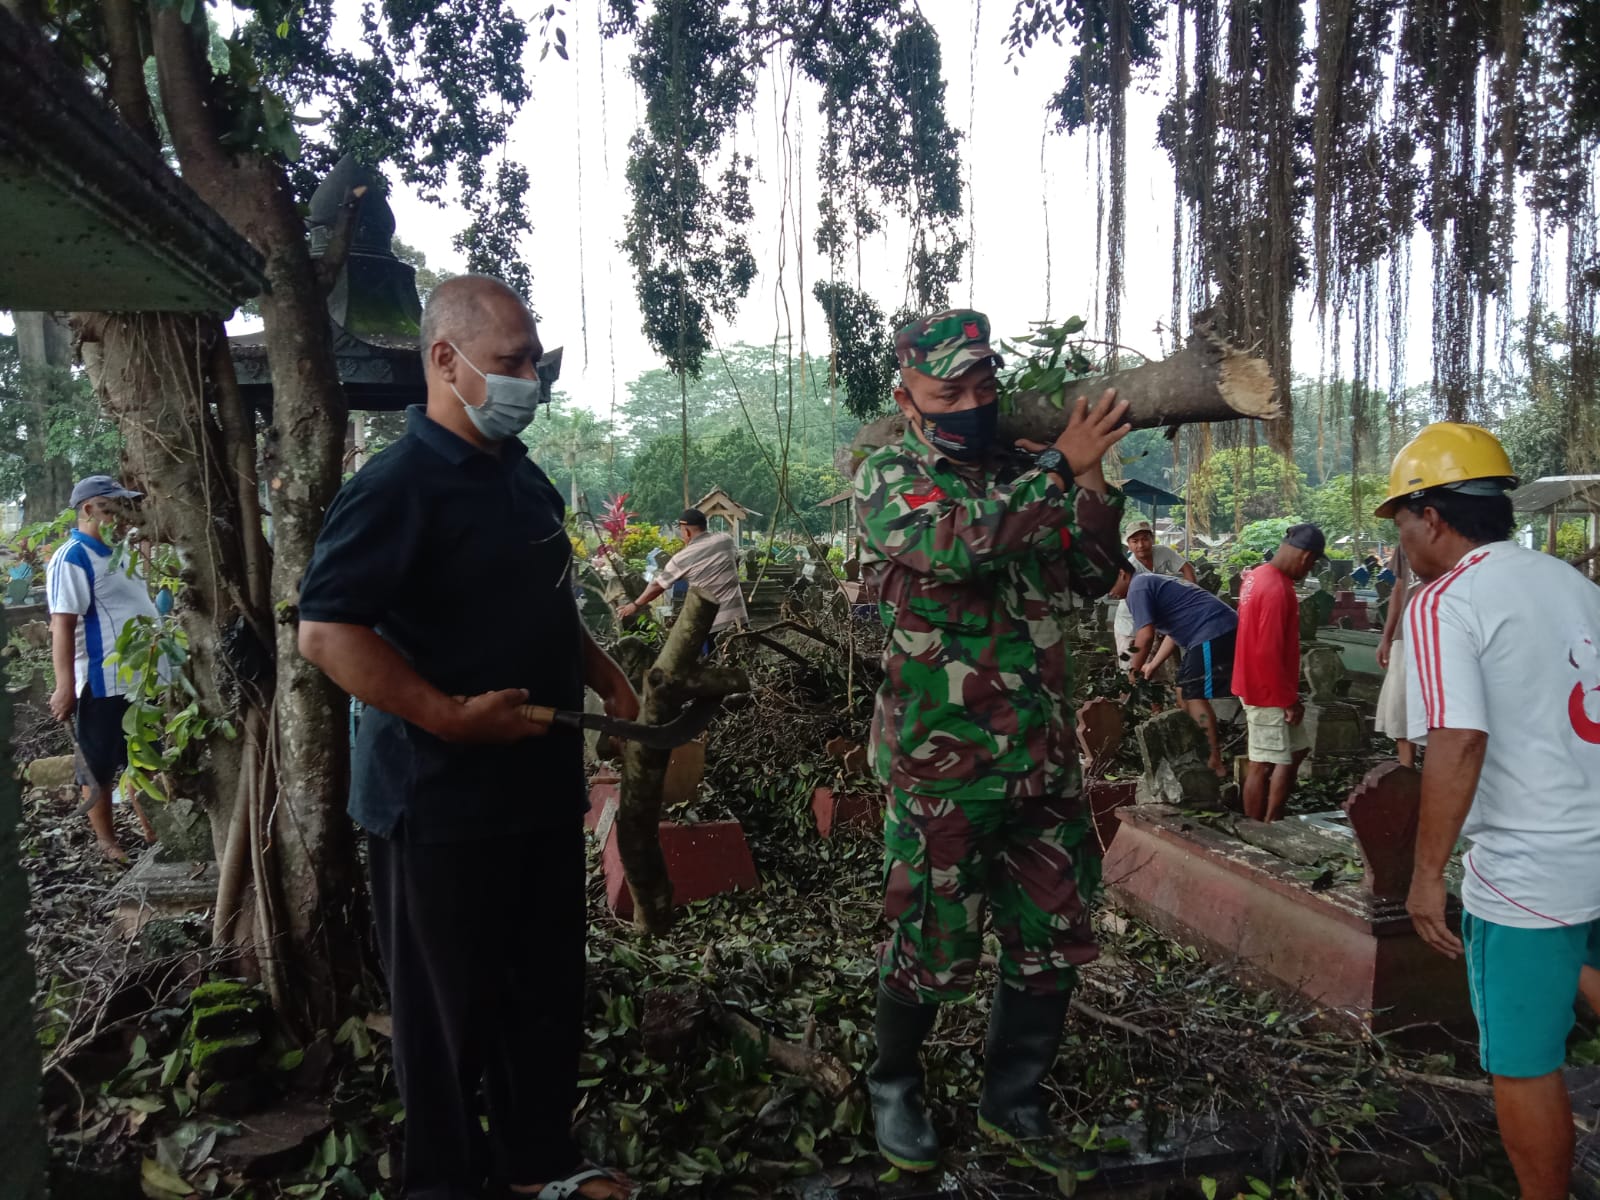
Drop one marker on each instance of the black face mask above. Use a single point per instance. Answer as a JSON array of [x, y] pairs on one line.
[[965, 435]]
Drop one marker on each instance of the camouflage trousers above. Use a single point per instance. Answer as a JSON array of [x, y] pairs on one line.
[[1031, 863]]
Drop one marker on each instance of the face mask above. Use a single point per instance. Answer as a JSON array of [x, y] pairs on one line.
[[508, 403], [965, 435]]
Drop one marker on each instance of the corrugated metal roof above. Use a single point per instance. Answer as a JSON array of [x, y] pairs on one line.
[[1582, 492]]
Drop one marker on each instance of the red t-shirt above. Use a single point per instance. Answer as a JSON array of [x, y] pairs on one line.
[[1266, 658]]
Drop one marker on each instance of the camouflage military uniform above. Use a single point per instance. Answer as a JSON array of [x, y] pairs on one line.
[[973, 728]]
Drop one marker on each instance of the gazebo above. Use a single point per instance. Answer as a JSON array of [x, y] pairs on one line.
[[717, 503], [1558, 496]]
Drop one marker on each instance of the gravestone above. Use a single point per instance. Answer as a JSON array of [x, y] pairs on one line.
[[1348, 608], [1235, 582], [1333, 726], [1383, 810], [1310, 619], [1176, 773], [1208, 577], [1100, 729]]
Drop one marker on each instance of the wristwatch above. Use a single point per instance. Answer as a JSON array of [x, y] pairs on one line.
[[1052, 460]]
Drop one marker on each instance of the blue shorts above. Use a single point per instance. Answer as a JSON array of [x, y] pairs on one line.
[[1524, 984]]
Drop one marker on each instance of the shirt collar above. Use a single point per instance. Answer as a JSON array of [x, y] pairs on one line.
[[453, 448], [94, 543]]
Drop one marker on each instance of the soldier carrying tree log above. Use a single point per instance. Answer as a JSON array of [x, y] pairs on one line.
[[974, 548]]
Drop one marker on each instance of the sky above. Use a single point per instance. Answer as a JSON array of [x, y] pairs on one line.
[[1031, 197]]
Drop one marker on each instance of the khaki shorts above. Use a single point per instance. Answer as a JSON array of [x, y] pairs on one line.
[[1272, 738]]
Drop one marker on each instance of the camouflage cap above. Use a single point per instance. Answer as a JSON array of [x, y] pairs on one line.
[[944, 344]]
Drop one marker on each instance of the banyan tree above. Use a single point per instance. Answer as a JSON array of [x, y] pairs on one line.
[[1319, 145]]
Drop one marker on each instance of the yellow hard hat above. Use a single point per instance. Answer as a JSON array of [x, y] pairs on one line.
[[1443, 453]]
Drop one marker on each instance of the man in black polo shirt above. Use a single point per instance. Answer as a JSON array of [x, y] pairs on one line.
[[440, 596]]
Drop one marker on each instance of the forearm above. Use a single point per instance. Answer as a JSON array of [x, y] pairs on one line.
[[1397, 604], [1169, 647], [63, 655], [1096, 554], [960, 538], [374, 672], [600, 670], [1143, 638], [648, 595], [1449, 781]]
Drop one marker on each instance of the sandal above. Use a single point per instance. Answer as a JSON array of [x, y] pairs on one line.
[[565, 1189]]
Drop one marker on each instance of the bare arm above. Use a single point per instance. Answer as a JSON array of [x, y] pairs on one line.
[[1188, 572], [63, 633], [1143, 638], [644, 600], [1449, 781], [601, 673], [1169, 647], [371, 670], [1397, 604]]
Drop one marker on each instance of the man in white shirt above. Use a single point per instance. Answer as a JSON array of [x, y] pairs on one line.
[[1146, 557], [93, 593], [1503, 688], [710, 562]]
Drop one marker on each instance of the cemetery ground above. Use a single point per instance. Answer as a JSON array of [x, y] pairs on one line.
[[724, 1058]]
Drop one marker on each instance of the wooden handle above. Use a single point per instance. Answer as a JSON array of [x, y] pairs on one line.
[[537, 714]]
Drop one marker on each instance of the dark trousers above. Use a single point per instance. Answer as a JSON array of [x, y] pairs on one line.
[[483, 946]]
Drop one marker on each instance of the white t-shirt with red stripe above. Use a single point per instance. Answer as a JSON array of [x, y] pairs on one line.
[[1508, 642]]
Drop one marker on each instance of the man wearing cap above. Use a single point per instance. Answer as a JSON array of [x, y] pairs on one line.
[[973, 549], [1266, 670], [708, 561], [1146, 557], [1503, 687], [93, 594]]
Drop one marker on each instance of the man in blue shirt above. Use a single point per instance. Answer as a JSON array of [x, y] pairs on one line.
[[440, 595], [94, 592], [1185, 616]]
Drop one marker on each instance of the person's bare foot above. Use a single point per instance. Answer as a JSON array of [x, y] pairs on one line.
[[112, 852]]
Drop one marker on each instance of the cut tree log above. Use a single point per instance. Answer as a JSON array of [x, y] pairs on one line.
[[677, 676], [1208, 380]]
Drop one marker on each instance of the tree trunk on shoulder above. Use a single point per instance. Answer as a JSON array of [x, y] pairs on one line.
[[1208, 380]]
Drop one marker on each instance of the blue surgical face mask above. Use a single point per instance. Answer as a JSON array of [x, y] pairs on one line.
[[965, 435], [508, 404]]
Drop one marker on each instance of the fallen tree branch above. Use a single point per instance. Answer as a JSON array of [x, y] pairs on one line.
[[821, 1070], [678, 675]]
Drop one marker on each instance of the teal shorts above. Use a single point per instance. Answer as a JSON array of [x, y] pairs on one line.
[[1524, 985]]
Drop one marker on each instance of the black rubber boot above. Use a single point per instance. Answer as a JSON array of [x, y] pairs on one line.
[[894, 1081], [1024, 1035]]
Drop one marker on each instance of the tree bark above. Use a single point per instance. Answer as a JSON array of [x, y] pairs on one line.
[[678, 675], [147, 370], [308, 850], [44, 348], [1208, 380]]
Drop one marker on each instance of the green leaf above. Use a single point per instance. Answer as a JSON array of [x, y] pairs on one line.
[[1075, 325], [1258, 1187], [158, 1183], [1208, 1187]]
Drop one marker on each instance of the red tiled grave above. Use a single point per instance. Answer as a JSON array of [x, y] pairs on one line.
[[833, 810], [703, 860]]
